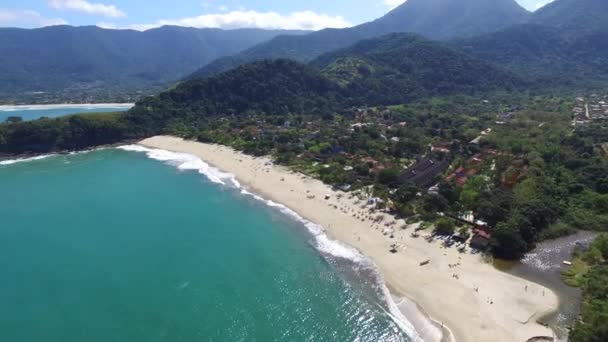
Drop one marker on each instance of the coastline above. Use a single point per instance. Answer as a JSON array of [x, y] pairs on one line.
[[480, 304], [9, 108]]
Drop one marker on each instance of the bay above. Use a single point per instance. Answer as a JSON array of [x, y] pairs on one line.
[[113, 246]]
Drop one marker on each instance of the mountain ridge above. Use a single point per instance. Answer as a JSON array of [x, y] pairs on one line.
[[416, 16], [65, 57]]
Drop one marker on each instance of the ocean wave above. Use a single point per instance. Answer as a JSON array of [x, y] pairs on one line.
[[45, 156], [24, 160], [185, 161], [322, 242], [336, 249]]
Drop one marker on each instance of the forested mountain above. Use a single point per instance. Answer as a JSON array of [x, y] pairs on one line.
[[566, 44], [580, 16], [65, 57], [270, 87], [399, 67], [435, 19], [388, 70], [382, 71]]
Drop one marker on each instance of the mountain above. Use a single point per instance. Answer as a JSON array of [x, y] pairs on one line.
[[400, 67], [564, 45], [392, 69], [445, 19], [548, 55], [582, 16], [435, 19], [272, 87], [65, 57], [381, 71]]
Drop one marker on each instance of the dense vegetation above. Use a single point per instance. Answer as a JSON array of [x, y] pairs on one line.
[[62, 134], [269, 87], [397, 68], [547, 56], [590, 272], [81, 58], [401, 67], [435, 19], [562, 45], [565, 187], [582, 16]]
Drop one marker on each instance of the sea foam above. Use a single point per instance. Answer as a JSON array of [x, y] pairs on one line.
[[184, 161], [24, 160], [322, 242]]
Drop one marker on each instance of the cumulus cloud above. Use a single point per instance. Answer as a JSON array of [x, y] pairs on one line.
[[88, 7], [304, 20], [28, 19]]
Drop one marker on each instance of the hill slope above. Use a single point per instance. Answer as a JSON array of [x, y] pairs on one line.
[[392, 69], [65, 57], [399, 67], [436, 19], [382, 71], [271, 87], [582, 16], [565, 44]]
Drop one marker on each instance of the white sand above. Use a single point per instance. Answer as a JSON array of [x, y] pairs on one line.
[[504, 309]]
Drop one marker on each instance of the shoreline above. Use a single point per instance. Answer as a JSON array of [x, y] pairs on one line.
[[9, 108], [480, 303]]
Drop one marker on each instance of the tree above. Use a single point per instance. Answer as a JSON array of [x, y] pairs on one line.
[[388, 176], [445, 226], [14, 119], [433, 203], [405, 193], [507, 241], [494, 206], [472, 191]]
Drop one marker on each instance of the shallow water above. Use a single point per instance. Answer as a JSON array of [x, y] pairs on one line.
[[113, 246], [544, 265]]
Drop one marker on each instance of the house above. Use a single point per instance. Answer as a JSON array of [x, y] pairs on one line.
[[442, 147], [424, 173], [481, 240]]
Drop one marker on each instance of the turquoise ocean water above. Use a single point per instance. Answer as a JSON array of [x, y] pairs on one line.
[[112, 245], [27, 113]]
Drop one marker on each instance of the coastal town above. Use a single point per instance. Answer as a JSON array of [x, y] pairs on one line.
[[265, 170]]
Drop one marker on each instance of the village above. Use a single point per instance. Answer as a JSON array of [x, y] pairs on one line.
[[454, 167], [593, 108]]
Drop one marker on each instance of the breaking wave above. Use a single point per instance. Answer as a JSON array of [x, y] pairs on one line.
[[24, 160]]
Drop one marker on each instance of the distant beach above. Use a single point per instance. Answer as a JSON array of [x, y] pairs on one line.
[[34, 112], [65, 105], [460, 292]]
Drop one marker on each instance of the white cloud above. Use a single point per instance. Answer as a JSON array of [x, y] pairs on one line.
[[304, 20], [88, 7], [28, 19], [393, 3]]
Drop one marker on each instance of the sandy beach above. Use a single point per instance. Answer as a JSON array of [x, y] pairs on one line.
[[460, 291]]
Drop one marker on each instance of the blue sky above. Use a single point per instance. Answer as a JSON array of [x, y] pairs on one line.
[[144, 14]]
